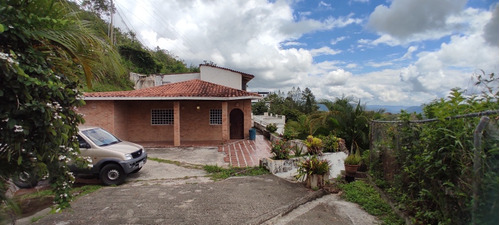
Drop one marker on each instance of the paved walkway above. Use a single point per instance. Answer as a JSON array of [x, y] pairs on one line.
[[245, 153], [239, 153]]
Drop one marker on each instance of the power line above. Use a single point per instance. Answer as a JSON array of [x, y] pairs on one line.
[[158, 18]]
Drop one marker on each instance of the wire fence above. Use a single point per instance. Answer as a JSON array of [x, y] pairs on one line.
[[439, 171]]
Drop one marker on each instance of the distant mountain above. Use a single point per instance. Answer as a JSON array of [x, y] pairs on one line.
[[395, 108], [388, 108], [414, 109]]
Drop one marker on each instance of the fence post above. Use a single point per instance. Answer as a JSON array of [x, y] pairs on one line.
[[477, 165], [372, 124]]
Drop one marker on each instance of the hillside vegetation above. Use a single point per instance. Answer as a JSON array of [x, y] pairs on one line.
[[135, 57]]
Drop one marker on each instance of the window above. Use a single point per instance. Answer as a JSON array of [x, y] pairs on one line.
[[162, 116], [215, 116]]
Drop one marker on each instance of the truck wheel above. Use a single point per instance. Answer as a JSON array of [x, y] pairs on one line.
[[112, 174], [25, 179]]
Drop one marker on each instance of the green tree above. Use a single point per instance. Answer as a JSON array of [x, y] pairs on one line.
[[140, 60], [309, 104], [348, 120], [260, 107], [300, 128], [100, 7], [44, 48]]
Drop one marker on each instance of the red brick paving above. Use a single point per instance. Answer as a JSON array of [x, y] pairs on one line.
[[239, 153], [244, 153]]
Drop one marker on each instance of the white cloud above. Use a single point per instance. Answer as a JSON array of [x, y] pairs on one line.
[[336, 77], [324, 4], [451, 66], [351, 66], [490, 32], [324, 51], [337, 40], [249, 36], [409, 52], [416, 20], [342, 21], [293, 43], [379, 64]]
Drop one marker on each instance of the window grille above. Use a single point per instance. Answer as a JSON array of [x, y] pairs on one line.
[[215, 116], [162, 116]]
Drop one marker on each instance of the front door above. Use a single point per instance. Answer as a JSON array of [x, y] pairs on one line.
[[236, 127]]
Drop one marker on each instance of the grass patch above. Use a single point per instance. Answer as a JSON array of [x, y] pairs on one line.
[[75, 191], [29, 204], [85, 190], [219, 173], [177, 163], [369, 199], [37, 194]]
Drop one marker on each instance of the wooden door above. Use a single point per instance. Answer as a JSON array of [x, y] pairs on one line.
[[236, 128]]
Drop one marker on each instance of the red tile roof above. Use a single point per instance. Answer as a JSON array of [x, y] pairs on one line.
[[191, 89]]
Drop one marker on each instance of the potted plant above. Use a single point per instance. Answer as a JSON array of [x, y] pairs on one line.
[[351, 164], [315, 170]]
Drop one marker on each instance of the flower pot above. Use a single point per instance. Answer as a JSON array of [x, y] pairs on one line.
[[314, 181], [350, 170]]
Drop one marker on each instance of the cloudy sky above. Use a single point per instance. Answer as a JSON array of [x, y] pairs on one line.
[[385, 52]]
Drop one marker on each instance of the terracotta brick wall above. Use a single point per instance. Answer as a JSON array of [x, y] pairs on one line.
[[99, 113], [195, 124], [138, 122], [131, 120]]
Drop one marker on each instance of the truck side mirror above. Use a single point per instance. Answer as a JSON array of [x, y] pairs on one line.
[[84, 145]]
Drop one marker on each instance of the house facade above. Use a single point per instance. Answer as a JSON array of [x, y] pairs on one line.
[[179, 113]]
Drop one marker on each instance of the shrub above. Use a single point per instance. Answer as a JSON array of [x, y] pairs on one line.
[[330, 143], [297, 150], [271, 127], [314, 145], [280, 149], [289, 133], [313, 165], [365, 161]]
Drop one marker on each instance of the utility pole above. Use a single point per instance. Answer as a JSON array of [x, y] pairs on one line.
[[111, 29]]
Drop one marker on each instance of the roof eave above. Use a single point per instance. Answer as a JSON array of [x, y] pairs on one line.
[[172, 98]]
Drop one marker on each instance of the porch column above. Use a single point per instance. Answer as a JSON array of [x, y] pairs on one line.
[[225, 122], [177, 124]]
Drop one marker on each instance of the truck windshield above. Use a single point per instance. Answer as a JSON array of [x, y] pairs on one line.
[[100, 137]]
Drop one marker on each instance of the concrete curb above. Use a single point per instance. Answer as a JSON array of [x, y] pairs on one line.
[[281, 211], [28, 219]]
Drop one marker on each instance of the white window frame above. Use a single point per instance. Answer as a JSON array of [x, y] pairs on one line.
[[162, 117], [215, 117]]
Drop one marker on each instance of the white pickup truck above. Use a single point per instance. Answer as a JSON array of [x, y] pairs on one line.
[[112, 158]]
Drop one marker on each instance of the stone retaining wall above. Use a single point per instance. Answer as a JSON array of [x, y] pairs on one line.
[[290, 166]]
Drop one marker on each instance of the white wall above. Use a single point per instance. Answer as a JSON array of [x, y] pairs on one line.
[[173, 78], [221, 76]]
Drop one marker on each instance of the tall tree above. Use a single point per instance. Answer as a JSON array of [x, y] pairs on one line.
[[309, 104]]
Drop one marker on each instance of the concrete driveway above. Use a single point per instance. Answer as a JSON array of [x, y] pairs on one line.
[[177, 192], [178, 163]]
